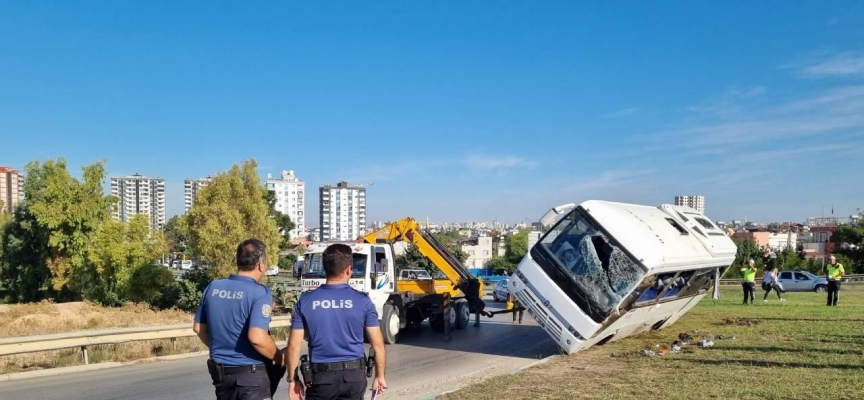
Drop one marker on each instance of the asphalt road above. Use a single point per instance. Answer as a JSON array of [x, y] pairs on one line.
[[422, 365]]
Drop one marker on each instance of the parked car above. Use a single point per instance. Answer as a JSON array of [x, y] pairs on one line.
[[500, 291], [186, 265], [272, 271], [802, 281]]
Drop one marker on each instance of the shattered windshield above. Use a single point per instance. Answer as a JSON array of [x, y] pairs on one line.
[[315, 267], [601, 273]]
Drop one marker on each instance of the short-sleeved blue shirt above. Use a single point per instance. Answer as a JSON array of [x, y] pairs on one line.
[[229, 307], [334, 317]]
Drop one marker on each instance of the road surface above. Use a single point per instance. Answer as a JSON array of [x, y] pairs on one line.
[[420, 366]]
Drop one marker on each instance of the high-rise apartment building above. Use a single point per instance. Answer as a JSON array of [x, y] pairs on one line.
[[190, 191], [139, 195], [694, 202], [11, 189], [342, 211], [290, 199]]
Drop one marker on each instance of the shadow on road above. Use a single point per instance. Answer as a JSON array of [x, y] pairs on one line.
[[495, 336]]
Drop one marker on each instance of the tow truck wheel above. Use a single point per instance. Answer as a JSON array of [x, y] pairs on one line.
[[390, 323], [463, 314]]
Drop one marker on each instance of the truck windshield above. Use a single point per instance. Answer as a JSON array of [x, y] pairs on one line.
[[315, 267], [599, 275]]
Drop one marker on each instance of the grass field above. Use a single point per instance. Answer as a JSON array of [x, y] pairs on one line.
[[799, 349]]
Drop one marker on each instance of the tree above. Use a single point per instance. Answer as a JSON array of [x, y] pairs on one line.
[[283, 221], [119, 251], [500, 263], [24, 266], [516, 246], [413, 259], [67, 212], [849, 242], [747, 249], [230, 209], [175, 233]]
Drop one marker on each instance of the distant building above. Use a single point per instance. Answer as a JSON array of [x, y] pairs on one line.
[[695, 202], [190, 191], [342, 211], [290, 199], [774, 241], [479, 250], [139, 195], [11, 189]]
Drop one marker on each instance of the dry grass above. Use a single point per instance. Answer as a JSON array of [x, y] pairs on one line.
[[44, 318]]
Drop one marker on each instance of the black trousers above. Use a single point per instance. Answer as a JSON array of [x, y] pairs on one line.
[[833, 292], [767, 287], [338, 385], [521, 313], [749, 290], [245, 386]]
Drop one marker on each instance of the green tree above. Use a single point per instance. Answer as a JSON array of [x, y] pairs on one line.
[[747, 249], [230, 209], [176, 234], [283, 221], [849, 243], [24, 267], [119, 251], [67, 212], [500, 263], [413, 259], [516, 246]]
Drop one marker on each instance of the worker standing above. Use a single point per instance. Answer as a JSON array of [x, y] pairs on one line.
[[233, 321], [749, 281], [513, 303], [335, 316], [835, 276]]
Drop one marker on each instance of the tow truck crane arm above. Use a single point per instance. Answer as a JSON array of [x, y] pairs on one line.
[[408, 230]]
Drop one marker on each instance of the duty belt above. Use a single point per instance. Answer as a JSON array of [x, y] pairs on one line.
[[339, 366], [243, 369]]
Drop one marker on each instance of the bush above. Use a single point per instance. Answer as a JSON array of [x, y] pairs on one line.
[[149, 282]]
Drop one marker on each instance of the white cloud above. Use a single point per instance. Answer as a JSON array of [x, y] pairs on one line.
[[622, 113], [484, 162], [842, 64]]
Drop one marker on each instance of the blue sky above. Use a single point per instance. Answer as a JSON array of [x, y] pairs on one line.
[[456, 110]]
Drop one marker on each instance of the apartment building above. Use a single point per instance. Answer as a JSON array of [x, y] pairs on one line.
[[342, 211], [695, 202], [139, 195], [290, 194], [11, 189], [479, 250], [190, 191]]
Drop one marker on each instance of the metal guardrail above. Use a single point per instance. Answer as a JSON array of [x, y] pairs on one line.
[[846, 278], [82, 339]]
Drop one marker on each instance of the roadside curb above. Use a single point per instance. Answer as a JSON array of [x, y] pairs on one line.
[[511, 372], [42, 373]]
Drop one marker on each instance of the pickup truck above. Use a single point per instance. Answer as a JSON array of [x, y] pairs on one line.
[[802, 281]]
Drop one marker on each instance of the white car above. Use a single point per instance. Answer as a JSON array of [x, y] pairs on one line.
[[500, 291], [186, 265], [272, 271]]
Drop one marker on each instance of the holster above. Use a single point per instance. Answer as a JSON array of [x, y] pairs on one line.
[[217, 373], [306, 370], [370, 362]]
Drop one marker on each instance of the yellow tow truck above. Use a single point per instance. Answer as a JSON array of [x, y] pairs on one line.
[[407, 297]]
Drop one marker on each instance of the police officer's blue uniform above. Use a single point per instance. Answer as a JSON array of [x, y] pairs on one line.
[[229, 307], [335, 317]]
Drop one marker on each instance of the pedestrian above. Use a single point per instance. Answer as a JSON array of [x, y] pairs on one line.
[[233, 321], [749, 281], [769, 282], [335, 316], [513, 303], [835, 276]]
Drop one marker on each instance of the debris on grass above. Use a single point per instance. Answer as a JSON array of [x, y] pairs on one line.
[[741, 321]]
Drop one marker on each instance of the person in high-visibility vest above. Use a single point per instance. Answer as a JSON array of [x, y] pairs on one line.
[[835, 276], [749, 281]]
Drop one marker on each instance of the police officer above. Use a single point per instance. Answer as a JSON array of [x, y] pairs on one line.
[[233, 321], [334, 316], [835, 276], [749, 281]]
